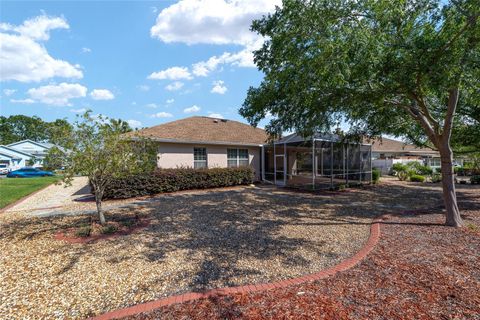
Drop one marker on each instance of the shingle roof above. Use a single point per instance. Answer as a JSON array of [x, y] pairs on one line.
[[206, 130], [390, 145]]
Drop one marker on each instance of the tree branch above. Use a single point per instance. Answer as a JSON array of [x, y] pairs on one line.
[[451, 107]]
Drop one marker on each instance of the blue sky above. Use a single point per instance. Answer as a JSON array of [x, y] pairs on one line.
[[147, 62]]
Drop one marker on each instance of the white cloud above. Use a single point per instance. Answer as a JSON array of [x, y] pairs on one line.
[[219, 87], [243, 58], [215, 115], [25, 101], [81, 110], [161, 115], [214, 22], [24, 59], [37, 28], [57, 95], [170, 101], [143, 87], [9, 92], [173, 73], [101, 94], [151, 105], [134, 123], [86, 50], [192, 109], [177, 85], [210, 21]]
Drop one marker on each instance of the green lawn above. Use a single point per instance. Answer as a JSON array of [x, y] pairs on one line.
[[12, 189]]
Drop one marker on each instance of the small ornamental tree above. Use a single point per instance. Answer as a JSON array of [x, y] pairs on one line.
[[407, 68], [102, 152]]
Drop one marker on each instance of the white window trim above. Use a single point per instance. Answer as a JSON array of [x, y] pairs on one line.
[[237, 158], [206, 157]]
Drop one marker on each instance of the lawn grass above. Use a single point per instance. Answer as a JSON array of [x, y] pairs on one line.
[[13, 189]]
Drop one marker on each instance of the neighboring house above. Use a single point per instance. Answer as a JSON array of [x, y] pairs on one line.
[[19, 154], [386, 152], [201, 142]]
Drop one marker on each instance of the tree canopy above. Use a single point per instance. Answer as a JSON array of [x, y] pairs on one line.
[[406, 68], [99, 149], [369, 63], [20, 127]]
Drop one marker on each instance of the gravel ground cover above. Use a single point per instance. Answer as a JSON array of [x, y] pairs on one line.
[[420, 269], [196, 240]]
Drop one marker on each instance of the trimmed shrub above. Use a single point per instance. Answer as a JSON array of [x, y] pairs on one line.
[[417, 178], [170, 180], [375, 175]]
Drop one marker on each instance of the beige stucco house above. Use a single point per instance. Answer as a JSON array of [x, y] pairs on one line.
[[200, 142]]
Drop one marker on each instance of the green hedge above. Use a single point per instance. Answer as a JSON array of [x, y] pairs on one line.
[[170, 180], [417, 178]]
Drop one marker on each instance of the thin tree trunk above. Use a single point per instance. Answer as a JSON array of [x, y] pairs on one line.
[[98, 200], [453, 217]]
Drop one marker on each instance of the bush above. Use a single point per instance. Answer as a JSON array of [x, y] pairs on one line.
[[375, 175], [83, 231], [170, 180], [417, 178], [459, 171], [399, 167], [475, 179], [420, 169], [402, 175], [109, 229], [436, 177]]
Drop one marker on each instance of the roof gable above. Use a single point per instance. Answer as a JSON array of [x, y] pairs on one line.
[[28, 142], [15, 151], [205, 130], [8, 154]]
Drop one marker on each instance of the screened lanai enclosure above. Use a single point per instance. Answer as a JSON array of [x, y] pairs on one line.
[[319, 162]]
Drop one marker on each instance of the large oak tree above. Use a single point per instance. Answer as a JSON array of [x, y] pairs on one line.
[[408, 68]]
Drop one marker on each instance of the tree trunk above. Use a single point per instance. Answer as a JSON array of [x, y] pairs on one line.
[[98, 200], [453, 217]]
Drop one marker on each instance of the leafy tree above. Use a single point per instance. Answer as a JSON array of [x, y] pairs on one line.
[[120, 125], [20, 127], [58, 129], [406, 68], [103, 152]]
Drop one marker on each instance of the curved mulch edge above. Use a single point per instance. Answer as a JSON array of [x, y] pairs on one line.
[[343, 266], [62, 237]]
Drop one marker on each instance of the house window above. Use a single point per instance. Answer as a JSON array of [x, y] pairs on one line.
[[237, 158], [199, 158]]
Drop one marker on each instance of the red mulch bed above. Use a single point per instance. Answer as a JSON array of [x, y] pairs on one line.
[[420, 269], [70, 236]]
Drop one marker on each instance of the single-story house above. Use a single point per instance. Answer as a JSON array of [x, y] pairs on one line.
[[386, 152], [317, 162], [201, 142], [22, 153]]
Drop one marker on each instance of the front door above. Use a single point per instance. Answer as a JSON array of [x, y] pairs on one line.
[[280, 170]]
